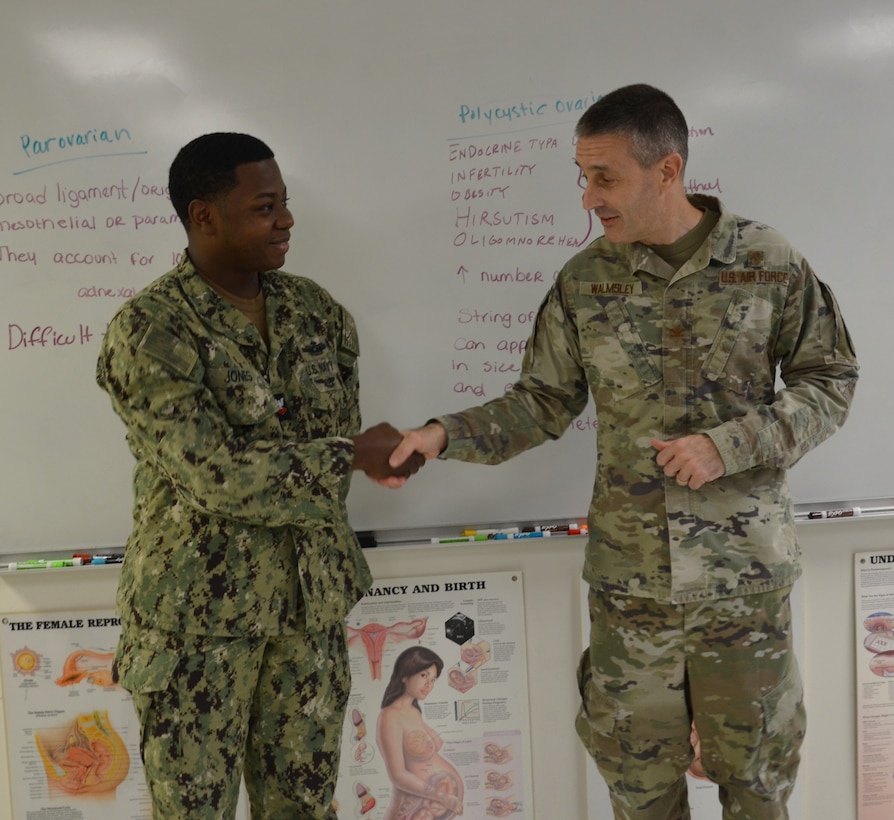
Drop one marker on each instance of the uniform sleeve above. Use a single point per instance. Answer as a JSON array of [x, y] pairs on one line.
[[152, 371], [348, 361], [819, 370], [550, 393]]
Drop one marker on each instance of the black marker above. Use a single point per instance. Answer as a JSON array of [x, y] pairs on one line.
[[845, 512]]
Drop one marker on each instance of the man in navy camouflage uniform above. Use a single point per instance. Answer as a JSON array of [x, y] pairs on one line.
[[238, 386], [678, 321]]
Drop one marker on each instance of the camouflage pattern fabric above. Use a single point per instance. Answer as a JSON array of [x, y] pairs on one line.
[[669, 354], [243, 457], [243, 464], [728, 665], [196, 697], [665, 354]]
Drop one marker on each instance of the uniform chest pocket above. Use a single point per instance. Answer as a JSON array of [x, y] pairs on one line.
[[243, 395], [741, 350], [321, 390], [618, 361]]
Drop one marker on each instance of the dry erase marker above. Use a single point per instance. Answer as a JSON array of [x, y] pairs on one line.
[[42, 564], [31, 563], [847, 512], [490, 532], [503, 536], [550, 528], [107, 559], [459, 539]]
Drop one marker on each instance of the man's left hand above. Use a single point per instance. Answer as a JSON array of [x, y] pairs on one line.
[[692, 460]]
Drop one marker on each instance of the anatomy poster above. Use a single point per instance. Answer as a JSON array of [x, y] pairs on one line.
[[874, 600], [71, 732], [437, 723]]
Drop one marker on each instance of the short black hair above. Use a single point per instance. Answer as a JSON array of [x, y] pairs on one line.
[[647, 115], [206, 167]]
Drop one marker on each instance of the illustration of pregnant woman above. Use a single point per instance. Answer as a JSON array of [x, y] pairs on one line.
[[426, 786]]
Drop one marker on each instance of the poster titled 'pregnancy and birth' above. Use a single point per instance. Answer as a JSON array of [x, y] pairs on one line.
[[438, 723]]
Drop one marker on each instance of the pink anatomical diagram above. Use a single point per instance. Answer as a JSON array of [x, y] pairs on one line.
[[373, 637], [86, 757], [87, 665]]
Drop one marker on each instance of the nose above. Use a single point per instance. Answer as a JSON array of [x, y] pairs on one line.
[[284, 218], [591, 199]]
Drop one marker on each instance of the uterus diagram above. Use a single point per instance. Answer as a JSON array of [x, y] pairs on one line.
[[85, 757], [371, 639], [87, 665]]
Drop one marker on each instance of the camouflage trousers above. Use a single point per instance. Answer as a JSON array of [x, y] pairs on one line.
[[724, 668], [213, 710]]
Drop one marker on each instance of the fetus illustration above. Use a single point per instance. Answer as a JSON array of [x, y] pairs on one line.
[[499, 781], [475, 654], [362, 753], [85, 758], [426, 786], [461, 680], [373, 637], [497, 754], [86, 665], [464, 675], [879, 641], [502, 807]]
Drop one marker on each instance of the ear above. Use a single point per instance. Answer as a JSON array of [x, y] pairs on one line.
[[202, 216], [670, 167]]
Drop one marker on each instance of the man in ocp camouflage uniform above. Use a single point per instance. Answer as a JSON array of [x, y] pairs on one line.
[[678, 321], [238, 386]]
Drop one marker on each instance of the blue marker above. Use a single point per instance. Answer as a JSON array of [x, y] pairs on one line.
[[505, 535]]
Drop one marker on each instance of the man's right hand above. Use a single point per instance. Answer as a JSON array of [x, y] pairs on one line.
[[429, 440], [372, 449]]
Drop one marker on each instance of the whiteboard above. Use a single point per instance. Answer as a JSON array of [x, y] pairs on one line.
[[428, 152]]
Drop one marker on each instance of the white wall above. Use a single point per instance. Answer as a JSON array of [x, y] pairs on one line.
[[554, 636]]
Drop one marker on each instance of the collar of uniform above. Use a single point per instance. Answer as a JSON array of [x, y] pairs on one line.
[[720, 244], [214, 309]]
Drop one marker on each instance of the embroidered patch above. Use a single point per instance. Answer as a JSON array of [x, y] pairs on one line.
[[629, 288], [169, 350], [754, 277], [349, 340], [754, 259]]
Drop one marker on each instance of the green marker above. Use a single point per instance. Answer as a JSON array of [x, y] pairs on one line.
[[40, 563]]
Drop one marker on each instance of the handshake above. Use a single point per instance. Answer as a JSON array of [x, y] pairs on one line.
[[390, 457]]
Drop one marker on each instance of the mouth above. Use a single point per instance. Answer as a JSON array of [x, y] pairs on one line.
[[281, 245]]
